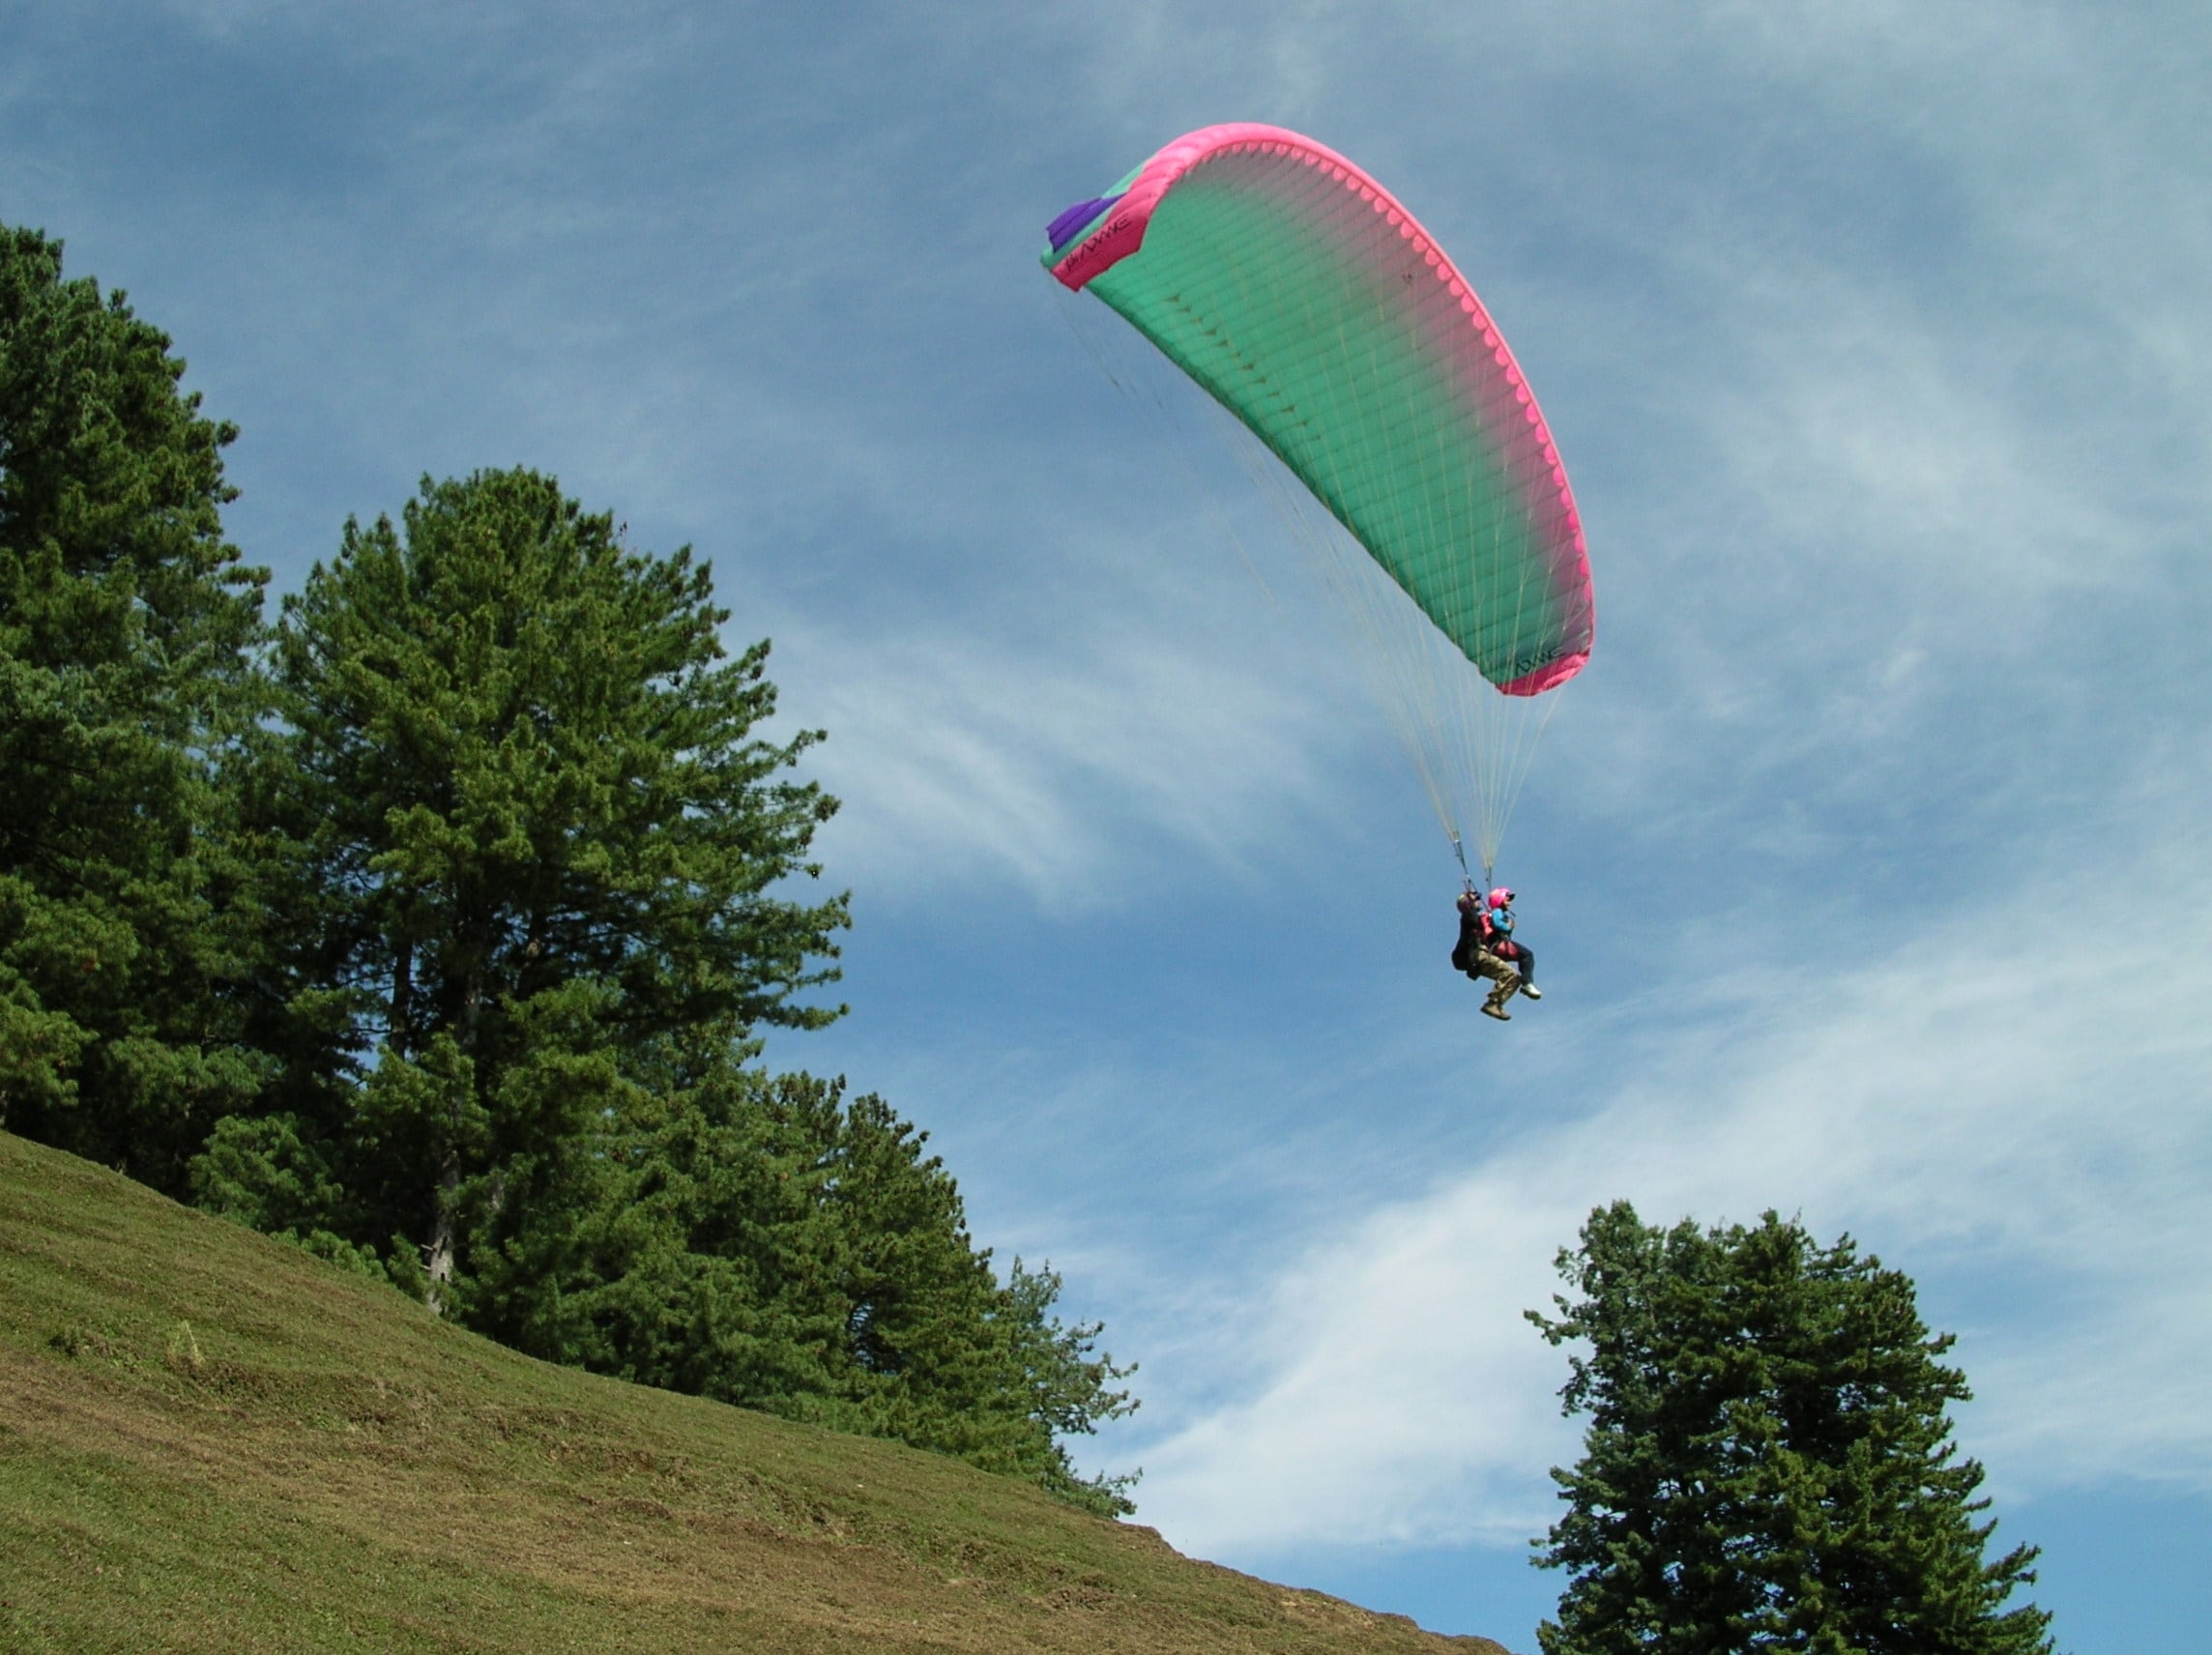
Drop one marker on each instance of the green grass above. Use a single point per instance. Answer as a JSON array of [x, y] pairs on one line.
[[209, 1441]]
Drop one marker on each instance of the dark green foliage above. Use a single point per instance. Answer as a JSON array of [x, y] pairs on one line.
[[440, 948], [125, 687], [533, 831], [261, 1171], [1768, 1462], [764, 1242]]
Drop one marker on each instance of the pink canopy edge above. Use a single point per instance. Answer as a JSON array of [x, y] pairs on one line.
[[1546, 677], [1122, 233]]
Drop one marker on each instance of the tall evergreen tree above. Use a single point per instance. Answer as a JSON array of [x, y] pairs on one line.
[[125, 689], [1768, 1464], [535, 830]]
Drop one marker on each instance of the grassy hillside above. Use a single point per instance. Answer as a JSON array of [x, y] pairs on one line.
[[211, 1442]]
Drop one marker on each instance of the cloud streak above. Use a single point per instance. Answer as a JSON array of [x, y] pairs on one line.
[[2024, 1130], [1060, 756]]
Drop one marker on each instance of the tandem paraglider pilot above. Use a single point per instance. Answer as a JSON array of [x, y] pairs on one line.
[[1487, 949]]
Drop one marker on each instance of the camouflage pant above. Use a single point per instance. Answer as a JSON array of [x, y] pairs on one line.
[[1505, 980]]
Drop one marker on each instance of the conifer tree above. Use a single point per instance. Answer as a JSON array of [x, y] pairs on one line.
[[535, 830], [1768, 1464], [125, 690]]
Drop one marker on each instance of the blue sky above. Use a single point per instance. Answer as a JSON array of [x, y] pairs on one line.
[[1867, 861]]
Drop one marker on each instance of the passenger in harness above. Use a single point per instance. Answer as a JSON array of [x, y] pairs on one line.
[[1506, 947], [1486, 949]]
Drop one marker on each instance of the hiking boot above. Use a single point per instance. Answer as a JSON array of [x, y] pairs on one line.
[[1531, 990], [1491, 1008]]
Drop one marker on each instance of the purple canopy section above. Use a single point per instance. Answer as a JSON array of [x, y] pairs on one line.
[[1070, 223]]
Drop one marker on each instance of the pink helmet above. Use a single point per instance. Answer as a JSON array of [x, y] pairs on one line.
[[1500, 897]]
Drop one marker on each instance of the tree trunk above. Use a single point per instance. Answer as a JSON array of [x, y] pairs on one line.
[[443, 1232], [402, 994]]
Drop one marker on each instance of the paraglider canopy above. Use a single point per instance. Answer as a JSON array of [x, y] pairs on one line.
[[1305, 298]]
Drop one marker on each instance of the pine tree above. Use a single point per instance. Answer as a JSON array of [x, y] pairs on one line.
[[127, 689], [1768, 1462], [534, 829]]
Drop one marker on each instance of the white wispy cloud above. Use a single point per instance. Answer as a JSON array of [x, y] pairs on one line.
[[2023, 1126], [1056, 748]]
